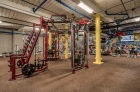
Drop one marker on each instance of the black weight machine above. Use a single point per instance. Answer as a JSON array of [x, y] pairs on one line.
[[133, 52]]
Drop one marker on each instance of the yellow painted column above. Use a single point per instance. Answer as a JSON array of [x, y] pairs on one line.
[[66, 43], [98, 39], [50, 40]]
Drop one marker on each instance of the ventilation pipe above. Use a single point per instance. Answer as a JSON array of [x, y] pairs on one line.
[[115, 13]]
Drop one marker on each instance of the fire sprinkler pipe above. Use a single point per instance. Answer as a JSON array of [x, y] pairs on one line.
[[115, 13], [34, 10], [125, 8], [72, 8]]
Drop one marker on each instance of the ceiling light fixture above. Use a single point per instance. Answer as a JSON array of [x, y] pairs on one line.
[[36, 28], [0, 21], [42, 29], [137, 19], [85, 7]]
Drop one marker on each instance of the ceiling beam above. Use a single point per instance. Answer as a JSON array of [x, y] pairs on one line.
[[21, 28], [15, 21], [19, 8], [96, 9]]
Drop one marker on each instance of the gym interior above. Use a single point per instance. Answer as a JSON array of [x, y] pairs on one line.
[[69, 45]]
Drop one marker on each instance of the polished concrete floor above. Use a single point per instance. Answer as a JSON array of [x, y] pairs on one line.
[[114, 75]]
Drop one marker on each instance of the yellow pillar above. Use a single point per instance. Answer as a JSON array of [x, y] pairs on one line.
[[50, 40], [66, 43], [98, 39]]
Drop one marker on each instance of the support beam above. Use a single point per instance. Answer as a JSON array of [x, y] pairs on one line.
[[15, 21], [21, 28], [66, 45], [22, 9], [98, 39]]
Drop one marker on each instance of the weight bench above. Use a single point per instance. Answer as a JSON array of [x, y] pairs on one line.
[[4, 54]]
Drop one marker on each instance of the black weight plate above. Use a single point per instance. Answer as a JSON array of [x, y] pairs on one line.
[[28, 71], [40, 65], [24, 69], [19, 63], [32, 68]]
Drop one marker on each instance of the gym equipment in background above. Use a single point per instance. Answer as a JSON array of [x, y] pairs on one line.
[[78, 47], [53, 54], [117, 51], [133, 51], [6, 54], [92, 49]]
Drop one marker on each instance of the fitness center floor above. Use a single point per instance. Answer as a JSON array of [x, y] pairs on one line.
[[117, 74]]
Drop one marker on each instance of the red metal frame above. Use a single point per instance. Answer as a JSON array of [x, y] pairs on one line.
[[13, 57], [30, 53], [46, 45], [43, 46], [81, 22], [58, 15], [58, 43]]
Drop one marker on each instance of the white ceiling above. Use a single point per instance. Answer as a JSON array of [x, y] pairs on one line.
[[52, 7]]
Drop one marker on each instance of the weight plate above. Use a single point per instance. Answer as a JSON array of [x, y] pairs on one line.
[[29, 71], [32, 68], [19, 63], [24, 68]]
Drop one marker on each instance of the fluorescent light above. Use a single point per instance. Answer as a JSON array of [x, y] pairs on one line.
[[0, 21], [36, 28], [85, 7], [42, 29], [137, 19]]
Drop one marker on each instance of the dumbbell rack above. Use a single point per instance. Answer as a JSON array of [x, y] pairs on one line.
[[28, 49]]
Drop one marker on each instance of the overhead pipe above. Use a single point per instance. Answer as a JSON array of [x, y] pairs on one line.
[[115, 13], [34, 10], [115, 6], [125, 8], [123, 19], [92, 28], [72, 8], [40, 7], [132, 23]]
